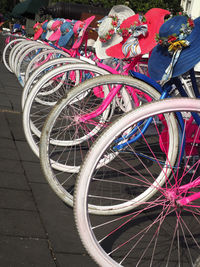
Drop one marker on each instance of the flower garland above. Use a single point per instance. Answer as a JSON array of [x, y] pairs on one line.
[[176, 42], [125, 32], [112, 31]]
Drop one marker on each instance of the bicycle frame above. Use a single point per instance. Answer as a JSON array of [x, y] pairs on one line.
[[185, 201], [165, 92], [113, 91]]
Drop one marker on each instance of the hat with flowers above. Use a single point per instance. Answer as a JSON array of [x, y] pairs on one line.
[[177, 49], [38, 30], [56, 30], [66, 33], [80, 28], [139, 33], [108, 34]]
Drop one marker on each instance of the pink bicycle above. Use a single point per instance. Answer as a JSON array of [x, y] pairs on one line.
[[155, 218]]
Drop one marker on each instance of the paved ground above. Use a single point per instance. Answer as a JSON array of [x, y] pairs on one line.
[[36, 227]]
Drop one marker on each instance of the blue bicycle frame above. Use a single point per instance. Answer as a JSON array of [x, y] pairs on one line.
[[165, 93]]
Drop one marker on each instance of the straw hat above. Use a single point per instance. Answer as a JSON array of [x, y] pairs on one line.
[[107, 31], [38, 29]]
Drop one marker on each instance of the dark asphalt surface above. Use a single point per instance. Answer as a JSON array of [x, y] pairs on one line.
[[36, 227]]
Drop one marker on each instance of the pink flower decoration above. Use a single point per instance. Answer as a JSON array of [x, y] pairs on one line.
[[111, 31], [108, 37], [114, 23], [125, 32]]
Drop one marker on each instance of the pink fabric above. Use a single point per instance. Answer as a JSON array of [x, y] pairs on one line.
[[81, 25], [56, 24], [77, 26], [39, 31], [55, 36], [38, 34], [36, 24]]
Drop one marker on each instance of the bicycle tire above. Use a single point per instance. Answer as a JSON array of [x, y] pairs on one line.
[[18, 49], [24, 57], [6, 52], [39, 60]]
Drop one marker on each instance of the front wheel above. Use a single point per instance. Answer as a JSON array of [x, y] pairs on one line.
[[66, 139], [146, 182]]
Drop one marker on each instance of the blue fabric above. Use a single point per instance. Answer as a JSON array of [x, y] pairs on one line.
[[16, 27], [160, 57], [44, 27], [65, 36]]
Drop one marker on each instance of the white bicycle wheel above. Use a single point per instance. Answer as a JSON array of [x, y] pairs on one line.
[[65, 140], [23, 59], [41, 71], [38, 105], [41, 59], [7, 50], [154, 231], [17, 50]]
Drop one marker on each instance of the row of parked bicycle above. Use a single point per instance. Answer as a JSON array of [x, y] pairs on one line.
[[116, 128]]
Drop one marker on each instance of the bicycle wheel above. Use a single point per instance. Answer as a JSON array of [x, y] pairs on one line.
[[65, 140], [7, 50], [159, 227], [43, 56], [41, 59], [23, 59], [17, 50], [41, 71], [56, 84]]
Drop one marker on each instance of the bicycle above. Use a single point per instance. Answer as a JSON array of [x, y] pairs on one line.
[[61, 78], [120, 98], [73, 74], [74, 124], [152, 221], [121, 173]]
